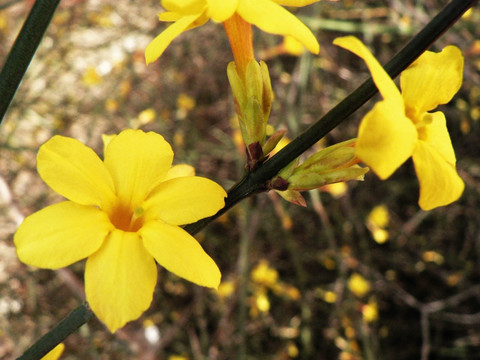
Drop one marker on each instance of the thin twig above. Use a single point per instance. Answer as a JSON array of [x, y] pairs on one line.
[[70, 324], [23, 50]]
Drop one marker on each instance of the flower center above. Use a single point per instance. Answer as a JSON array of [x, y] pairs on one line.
[[126, 219], [423, 124]]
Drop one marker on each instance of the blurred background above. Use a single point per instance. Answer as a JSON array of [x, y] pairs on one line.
[[361, 273]]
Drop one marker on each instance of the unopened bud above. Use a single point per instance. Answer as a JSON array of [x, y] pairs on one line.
[[313, 180], [335, 156], [238, 87], [253, 100], [333, 164], [254, 81]]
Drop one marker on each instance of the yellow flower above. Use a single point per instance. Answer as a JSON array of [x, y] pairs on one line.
[[267, 15], [377, 222], [264, 274], [358, 285], [122, 214], [402, 126]]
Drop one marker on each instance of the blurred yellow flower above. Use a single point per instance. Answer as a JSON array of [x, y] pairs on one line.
[[358, 285], [337, 190], [330, 297], [55, 353], [91, 77], [370, 311], [264, 274], [401, 125], [377, 221], [433, 256], [122, 214], [177, 357], [262, 302], [226, 289], [268, 15]]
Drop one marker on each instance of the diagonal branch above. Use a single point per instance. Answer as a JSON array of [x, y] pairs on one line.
[[23, 50]]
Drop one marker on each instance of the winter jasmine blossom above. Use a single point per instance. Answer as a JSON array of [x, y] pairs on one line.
[[122, 214]]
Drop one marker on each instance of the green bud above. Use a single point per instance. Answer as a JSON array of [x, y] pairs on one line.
[[254, 81], [253, 118], [253, 97], [333, 164], [288, 170], [331, 157], [267, 93], [335, 159], [238, 87], [308, 181]]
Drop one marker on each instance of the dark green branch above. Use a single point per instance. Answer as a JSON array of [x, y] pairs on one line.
[[23, 49], [67, 326]]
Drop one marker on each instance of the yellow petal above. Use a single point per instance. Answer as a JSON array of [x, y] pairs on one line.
[[272, 18], [296, 3], [184, 7], [119, 279], [382, 80], [169, 16], [293, 46], [158, 45], [137, 161], [106, 138], [439, 181], [432, 80], [61, 234], [180, 170], [55, 353], [436, 134], [184, 200], [386, 138], [221, 10], [74, 170], [178, 252]]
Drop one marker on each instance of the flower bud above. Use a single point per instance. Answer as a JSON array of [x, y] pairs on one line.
[[253, 100], [333, 164]]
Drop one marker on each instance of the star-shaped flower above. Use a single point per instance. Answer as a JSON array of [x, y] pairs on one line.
[[267, 15], [401, 125], [122, 214]]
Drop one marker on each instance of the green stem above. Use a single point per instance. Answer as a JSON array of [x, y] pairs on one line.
[[23, 49], [67, 326]]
